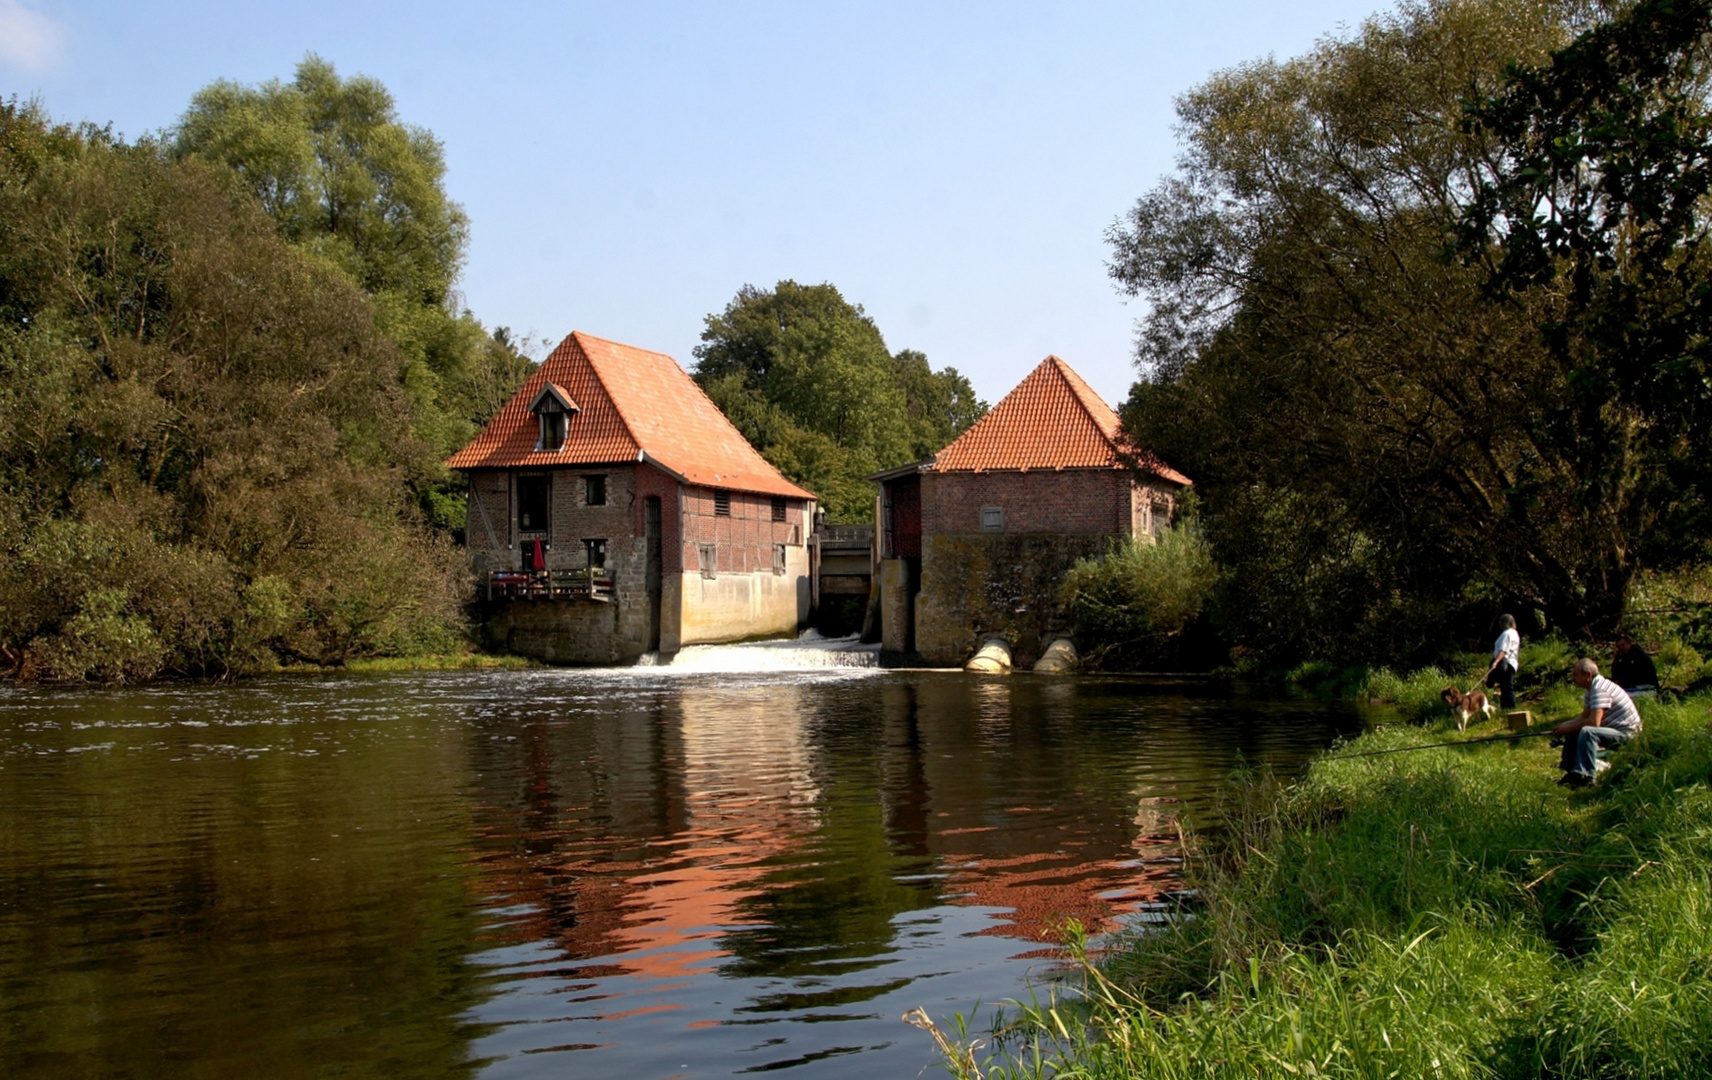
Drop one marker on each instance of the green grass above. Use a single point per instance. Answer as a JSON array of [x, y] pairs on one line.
[[1434, 913], [1415, 696]]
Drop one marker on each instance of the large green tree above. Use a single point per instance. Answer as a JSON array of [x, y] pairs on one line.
[[206, 444], [1365, 422], [1595, 209], [346, 179], [807, 378]]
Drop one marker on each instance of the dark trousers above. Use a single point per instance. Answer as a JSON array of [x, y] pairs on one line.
[[1503, 679]]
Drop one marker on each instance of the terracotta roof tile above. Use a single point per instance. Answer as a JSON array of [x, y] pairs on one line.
[[633, 403], [1051, 420]]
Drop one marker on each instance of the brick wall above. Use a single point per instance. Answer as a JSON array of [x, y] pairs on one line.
[[976, 581], [1041, 501], [1151, 508], [493, 506], [651, 481], [746, 536]]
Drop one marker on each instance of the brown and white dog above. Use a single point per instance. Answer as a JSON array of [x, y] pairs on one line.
[[1463, 706]]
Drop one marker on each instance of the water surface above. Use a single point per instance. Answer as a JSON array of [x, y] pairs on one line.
[[645, 873]]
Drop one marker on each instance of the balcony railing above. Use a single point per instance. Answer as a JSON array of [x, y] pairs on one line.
[[550, 585]]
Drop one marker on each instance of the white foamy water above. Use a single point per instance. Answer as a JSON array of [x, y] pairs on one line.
[[810, 652]]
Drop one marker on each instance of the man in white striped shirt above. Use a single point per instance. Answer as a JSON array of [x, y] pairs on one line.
[[1608, 718]]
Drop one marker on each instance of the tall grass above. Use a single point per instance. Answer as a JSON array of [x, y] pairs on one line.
[[1435, 913]]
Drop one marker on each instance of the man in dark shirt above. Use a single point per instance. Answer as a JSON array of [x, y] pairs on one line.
[[1632, 668]]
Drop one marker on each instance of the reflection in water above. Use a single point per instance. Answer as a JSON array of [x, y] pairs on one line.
[[632, 873]]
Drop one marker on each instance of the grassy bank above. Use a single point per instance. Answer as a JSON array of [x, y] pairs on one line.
[[462, 661], [443, 661], [1436, 913]]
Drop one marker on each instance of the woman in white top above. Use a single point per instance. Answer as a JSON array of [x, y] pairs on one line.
[[1502, 673]]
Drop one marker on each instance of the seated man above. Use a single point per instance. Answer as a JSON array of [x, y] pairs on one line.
[[1632, 668], [1608, 718]]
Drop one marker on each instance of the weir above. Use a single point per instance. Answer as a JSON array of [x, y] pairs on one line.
[[811, 651]]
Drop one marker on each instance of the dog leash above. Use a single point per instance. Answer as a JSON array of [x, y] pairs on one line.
[[1446, 745]]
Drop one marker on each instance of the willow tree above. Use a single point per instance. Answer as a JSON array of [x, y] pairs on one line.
[[1371, 427]]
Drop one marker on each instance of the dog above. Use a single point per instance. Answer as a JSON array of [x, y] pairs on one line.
[[1463, 706]]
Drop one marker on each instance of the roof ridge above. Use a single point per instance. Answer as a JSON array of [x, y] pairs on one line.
[[1082, 392], [576, 337], [1050, 366]]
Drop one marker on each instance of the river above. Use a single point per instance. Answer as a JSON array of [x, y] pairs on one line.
[[649, 872]]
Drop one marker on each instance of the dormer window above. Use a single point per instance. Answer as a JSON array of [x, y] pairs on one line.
[[552, 408]]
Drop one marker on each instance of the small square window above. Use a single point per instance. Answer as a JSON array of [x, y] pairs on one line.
[[707, 557], [992, 519], [722, 504], [778, 558], [596, 551], [778, 509], [594, 491]]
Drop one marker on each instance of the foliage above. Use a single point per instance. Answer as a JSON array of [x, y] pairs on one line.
[[1415, 696], [1131, 603], [1390, 447], [1436, 913], [1322, 678], [1545, 661], [205, 441], [1595, 210], [939, 405], [348, 181], [1666, 604], [333, 165], [807, 378]]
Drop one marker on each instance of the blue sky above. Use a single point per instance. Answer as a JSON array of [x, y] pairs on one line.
[[626, 167]]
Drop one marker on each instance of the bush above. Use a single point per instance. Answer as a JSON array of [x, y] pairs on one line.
[[1672, 605], [1680, 664], [1545, 661], [1416, 695], [1130, 605], [1322, 678], [211, 462]]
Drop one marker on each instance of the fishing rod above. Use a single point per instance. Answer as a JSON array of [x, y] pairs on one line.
[[1447, 745]]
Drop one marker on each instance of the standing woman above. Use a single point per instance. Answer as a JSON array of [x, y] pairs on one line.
[[1502, 673]]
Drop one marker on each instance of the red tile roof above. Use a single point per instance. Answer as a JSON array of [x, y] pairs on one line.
[[633, 404], [1052, 420]]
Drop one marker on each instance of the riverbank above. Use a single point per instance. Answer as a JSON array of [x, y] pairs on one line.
[[1435, 913]]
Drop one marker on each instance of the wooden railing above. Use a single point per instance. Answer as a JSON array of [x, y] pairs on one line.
[[549, 585]]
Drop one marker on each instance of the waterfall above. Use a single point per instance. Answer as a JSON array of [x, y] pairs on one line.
[[809, 652]]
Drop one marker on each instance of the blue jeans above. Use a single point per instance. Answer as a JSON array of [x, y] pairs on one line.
[[1580, 749]]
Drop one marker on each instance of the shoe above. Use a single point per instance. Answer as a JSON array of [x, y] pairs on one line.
[[1574, 780]]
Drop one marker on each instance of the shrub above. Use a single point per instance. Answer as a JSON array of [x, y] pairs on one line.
[[1416, 695], [1545, 661], [1129, 605]]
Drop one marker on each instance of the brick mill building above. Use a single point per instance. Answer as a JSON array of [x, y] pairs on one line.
[[977, 541], [614, 511]]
